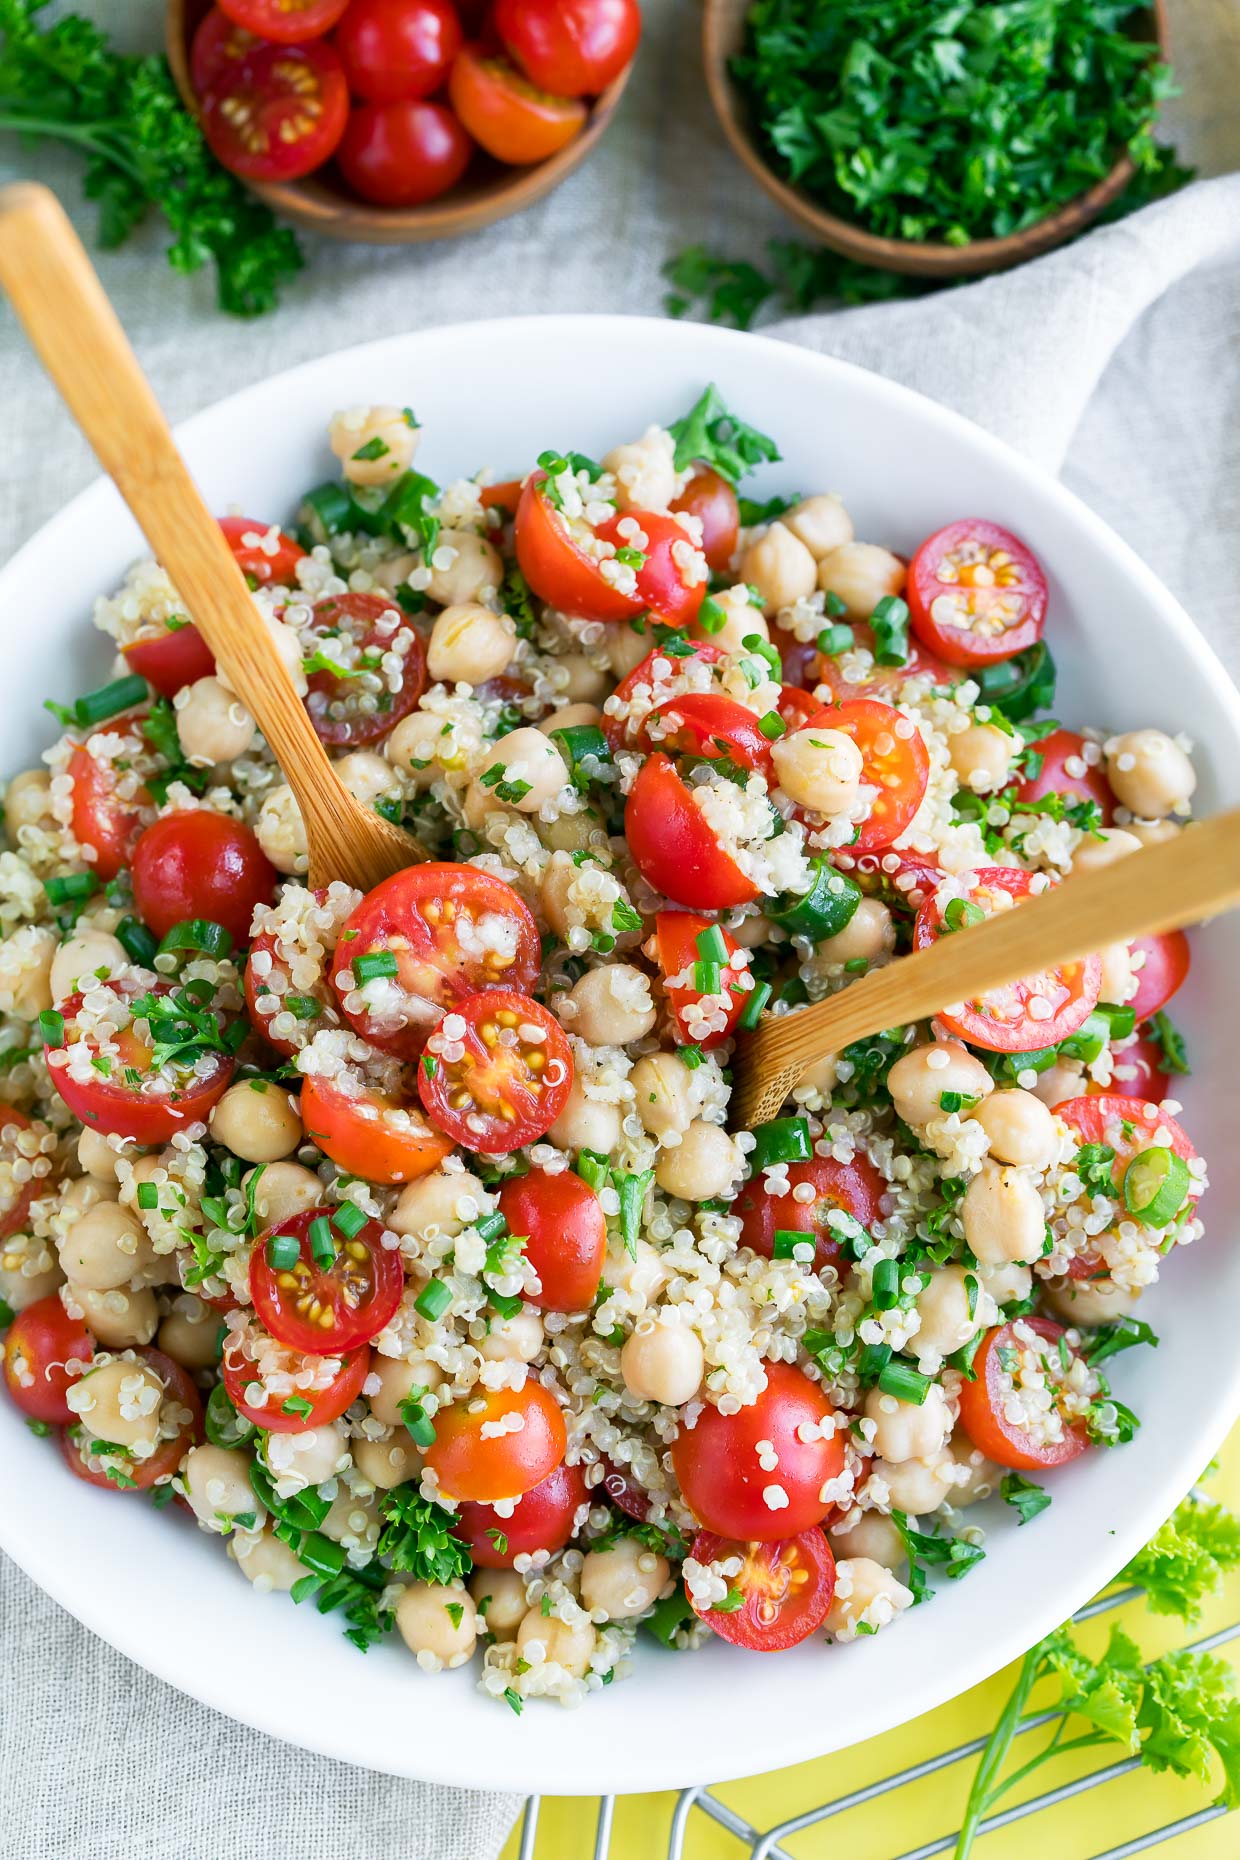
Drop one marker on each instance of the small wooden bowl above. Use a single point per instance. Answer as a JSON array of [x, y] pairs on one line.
[[322, 204], [723, 31]]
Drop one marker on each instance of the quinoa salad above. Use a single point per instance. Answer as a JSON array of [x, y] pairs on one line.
[[400, 1240]]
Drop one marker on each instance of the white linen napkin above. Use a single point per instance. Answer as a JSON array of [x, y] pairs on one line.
[[1117, 360]]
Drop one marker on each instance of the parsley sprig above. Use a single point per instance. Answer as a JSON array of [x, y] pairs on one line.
[[417, 1537]]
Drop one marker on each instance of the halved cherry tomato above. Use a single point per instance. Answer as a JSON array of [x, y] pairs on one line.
[[705, 723], [573, 47], [712, 500], [123, 1096], [370, 1134], [796, 706], [219, 44], [170, 656], [887, 681], [1039, 1011], [1137, 1072], [332, 1390], [246, 538], [40, 1344], [1167, 959], [279, 113], [856, 1187], [452, 932], [643, 680], [898, 879], [786, 1585], [354, 707], [101, 819], [16, 1194], [543, 1520], [496, 1072], [975, 593], [672, 579], [504, 496], [290, 22], [269, 984], [475, 1461], [674, 847], [676, 934], [894, 760], [1129, 1125], [624, 1492], [396, 49], [403, 154], [201, 864], [1064, 770], [327, 1309], [134, 1475], [511, 118], [555, 562], [566, 1236], [983, 1402], [722, 1480]]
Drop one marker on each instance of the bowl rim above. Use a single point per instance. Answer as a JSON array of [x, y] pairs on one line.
[[763, 1746], [910, 257]]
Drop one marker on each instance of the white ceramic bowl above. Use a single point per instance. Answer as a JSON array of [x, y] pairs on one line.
[[495, 394]]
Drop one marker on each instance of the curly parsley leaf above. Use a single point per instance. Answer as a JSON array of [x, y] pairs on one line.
[[417, 1537], [1186, 1560]]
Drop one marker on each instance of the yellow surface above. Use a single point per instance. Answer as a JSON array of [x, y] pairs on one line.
[[1119, 1811]]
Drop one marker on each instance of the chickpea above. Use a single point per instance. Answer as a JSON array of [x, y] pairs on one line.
[[526, 758], [119, 1319], [983, 1476], [822, 1077], [281, 832], [29, 1271], [374, 444], [981, 756], [867, 1596], [586, 1123], [571, 717], [1153, 832], [640, 1274], [917, 1486], [105, 1247], [120, 1402], [368, 777], [442, 1202], [1020, 1128], [212, 723], [1150, 773], [1119, 977], [97, 1156], [869, 933], [644, 470], [516, 1339], [663, 1361], [266, 1560], [86, 1192], [1065, 1079], [499, 1596], [741, 621], [398, 1376], [427, 1628], [819, 769], [425, 745], [624, 649], [662, 1093], [1089, 1301], [905, 1431], [257, 1121], [1007, 1283], [217, 1485], [470, 644], [353, 1519], [26, 961], [87, 953], [587, 683], [463, 567], [703, 1166], [610, 1005], [919, 1078], [387, 1463], [870, 1534], [860, 574], [190, 1332], [282, 1190], [28, 803], [308, 1457], [570, 833], [780, 567], [287, 644], [951, 1311], [821, 523], [624, 1581], [561, 1643], [1002, 1215], [1104, 848]]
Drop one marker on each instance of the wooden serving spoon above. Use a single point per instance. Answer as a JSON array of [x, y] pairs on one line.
[[1180, 881], [57, 295]]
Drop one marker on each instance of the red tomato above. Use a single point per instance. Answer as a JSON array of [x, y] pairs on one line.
[[543, 1520], [705, 723], [624, 1492], [796, 707], [1004, 1020], [127, 1099], [41, 1343], [856, 1187], [329, 1309], [403, 154], [219, 44], [369, 1134], [500, 1079], [573, 47], [131, 1475], [170, 656], [555, 562], [201, 864], [503, 497], [269, 981], [676, 934], [337, 1383], [290, 22], [900, 881], [1167, 959], [975, 593], [1137, 1072], [786, 1584], [1128, 1124], [397, 49], [666, 584], [887, 681], [894, 760], [16, 1195], [1086, 781], [354, 708], [566, 1236], [721, 1479], [452, 932], [982, 1404], [644, 681], [101, 819], [279, 113], [485, 1466], [246, 539], [712, 500], [511, 118], [673, 846]]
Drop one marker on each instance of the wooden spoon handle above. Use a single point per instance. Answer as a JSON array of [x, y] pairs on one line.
[[1180, 881]]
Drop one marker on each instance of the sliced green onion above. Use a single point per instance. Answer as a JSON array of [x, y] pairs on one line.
[[711, 946], [200, 934], [783, 1140], [872, 1361], [70, 888], [890, 625], [593, 1169], [305, 1007], [505, 1303], [349, 1220], [225, 1427], [786, 1241], [707, 978], [1021, 685], [322, 1240], [418, 1424], [1156, 1184], [821, 912], [380, 962], [329, 510], [691, 1056], [754, 642], [137, 942], [904, 1382], [712, 616], [110, 700], [148, 1195], [490, 1227], [960, 913], [433, 1300], [833, 640], [52, 1027], [886, 1284], [754, 1004], [320, 1554], [283, 1252], [772, 726], [632, 1200]]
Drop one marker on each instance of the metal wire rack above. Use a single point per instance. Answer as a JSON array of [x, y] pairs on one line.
[[768, 1844]]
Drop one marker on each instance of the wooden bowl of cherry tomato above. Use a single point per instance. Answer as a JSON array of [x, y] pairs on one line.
[[392, 121]]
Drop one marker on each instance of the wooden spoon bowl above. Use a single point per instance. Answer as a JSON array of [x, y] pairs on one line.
[[723, 32], [323, 204]]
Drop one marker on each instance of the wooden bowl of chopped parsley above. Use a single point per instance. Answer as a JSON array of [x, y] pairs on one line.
[[943, 138]]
